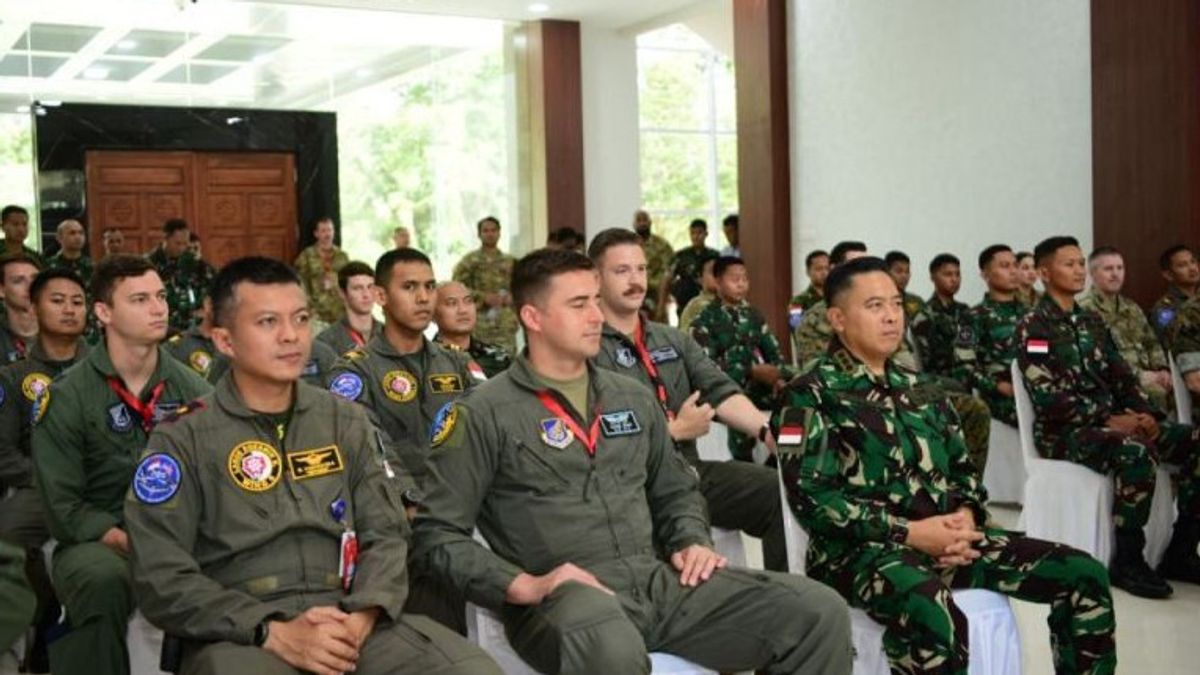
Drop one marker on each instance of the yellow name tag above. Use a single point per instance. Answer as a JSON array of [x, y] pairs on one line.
[[445, 383], [314, 463]]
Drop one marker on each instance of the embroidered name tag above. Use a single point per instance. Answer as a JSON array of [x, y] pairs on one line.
[[620, 423], [314, 463], [664, 354], [445, 383]]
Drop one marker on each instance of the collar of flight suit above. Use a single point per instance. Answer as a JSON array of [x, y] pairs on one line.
[[230, 400], [380, 345], [522, 374], [36, 353], [100, 361], [850, 368]]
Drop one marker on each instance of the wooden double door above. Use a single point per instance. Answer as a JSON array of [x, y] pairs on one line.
[[239, 203]]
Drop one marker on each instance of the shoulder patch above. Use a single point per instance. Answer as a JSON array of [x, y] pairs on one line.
[[620, 423], [347, 385], [443, 424], [1037, 346], [157, 478], [40, 406], [34, 384], [1164, 317]]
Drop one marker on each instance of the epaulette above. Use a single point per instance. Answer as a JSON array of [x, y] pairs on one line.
[[355, 354]]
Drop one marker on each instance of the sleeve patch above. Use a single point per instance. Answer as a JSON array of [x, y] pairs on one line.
[[157, 478]]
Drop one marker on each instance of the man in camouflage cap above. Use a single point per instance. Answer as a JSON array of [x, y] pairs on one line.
[[1090, 411], [455, 315], [738, 339], [876, 471], [1135, 339], [487, 271], [659, 258], [984, 349], [186, 277]]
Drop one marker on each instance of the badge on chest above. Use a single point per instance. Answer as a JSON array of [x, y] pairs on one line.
[[400, 386], [254, 466], [555, 433], [620, 423]]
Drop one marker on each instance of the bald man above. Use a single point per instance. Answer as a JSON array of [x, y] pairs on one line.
[[71, 239], [455, 315]]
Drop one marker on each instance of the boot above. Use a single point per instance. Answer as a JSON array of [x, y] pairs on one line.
[[1181, 561], [1129, 570]]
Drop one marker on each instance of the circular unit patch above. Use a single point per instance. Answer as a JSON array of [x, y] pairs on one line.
[[255, 466], [157, 478], [400, 386]]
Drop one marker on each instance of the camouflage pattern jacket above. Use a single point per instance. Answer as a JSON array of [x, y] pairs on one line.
[[1130, 329], [186, 279], [934, 331], [738, 338], [984, 352], [862, 454]]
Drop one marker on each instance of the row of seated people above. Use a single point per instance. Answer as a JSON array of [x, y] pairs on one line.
[[499, 461]]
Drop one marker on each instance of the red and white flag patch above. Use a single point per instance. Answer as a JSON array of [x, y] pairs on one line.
[[1036, 346], [476, 371], [790, 434]]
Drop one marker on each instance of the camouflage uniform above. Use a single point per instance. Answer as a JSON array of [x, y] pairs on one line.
[[688, 316], [913, 304], [737, 338], [1029, 297], [82, 266], [659, 257], [25, 252], [1135, 339], [484, 272], [685, 273], [1162, 315], [984, 352], [186, 279], [494, 359], [320, 282], [1077, 380], [814, 334], [799, 304], [935, 330], [862, 455]]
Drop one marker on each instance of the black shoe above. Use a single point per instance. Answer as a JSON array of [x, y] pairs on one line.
[[1181, 561], [1129, 570]]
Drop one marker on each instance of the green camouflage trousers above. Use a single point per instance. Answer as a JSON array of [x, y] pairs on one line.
[[1132, 462], [925, 632], [976, 421]]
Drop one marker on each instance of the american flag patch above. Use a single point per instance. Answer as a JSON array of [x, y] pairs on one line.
[[790, 434], [1034, 346]]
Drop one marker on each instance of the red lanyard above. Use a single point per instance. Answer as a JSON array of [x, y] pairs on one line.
[[143, 410], [589, 439], [355, 336], [660, 389]]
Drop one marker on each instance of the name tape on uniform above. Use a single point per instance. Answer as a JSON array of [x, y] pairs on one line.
[[620, 423], [304, 464]]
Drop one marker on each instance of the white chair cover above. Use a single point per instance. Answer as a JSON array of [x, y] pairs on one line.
[[1183, 397], [995, 644], [1071, 504], [144, 642], [1004, 475]]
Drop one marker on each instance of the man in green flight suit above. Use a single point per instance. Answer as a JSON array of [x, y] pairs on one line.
[[877, 472], [737, 338], [89, 426], [455, 315], [1089, 410], [264, 472], [356, 286], [58, 300], [184, 276], [1130, 329], [691, 389], [486, 271], [984, 349], [18, 322], [600, 546]]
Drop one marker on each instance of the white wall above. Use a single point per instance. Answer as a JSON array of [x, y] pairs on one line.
[[608, 65], [939, 125]]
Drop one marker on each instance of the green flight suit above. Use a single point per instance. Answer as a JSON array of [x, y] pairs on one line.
[[22, 521], [740, 495], [13, 347], [17, 609], [232, 523], [862, 455], [86, 442], [341, 338], [507, 465]]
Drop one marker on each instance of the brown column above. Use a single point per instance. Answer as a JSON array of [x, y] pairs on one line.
[[764, 165], [555, 97], [1145, 132]]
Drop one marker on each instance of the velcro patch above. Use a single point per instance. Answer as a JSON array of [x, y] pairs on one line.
[[157, 478], [315, 463], [620, 423], [664, 354], [446, 383], [347, 385]]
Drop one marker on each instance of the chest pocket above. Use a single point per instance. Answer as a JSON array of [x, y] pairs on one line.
[[535, 467]]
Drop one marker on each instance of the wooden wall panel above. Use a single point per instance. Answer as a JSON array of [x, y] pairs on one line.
[[1145, 132]]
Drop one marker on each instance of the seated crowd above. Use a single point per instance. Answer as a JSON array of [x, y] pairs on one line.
[[283, 483]]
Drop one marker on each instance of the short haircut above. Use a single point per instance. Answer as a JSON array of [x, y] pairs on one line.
[[1021, 255], [986, 255], [837, 255], [725, 263], [730, 220], [1048, 247], [841, 278], [532, 273], [567, 236], [174, 225], [256, 270], [7, 260], [388, 261], [11, 209], [894, 257], [112, 270], [193, 237], [1164, 260], [43, 278], [61, 226], [606, 239], [1100, 252], [941, 260], [698, 224], [812, 257], [354, 268], [486, 219]]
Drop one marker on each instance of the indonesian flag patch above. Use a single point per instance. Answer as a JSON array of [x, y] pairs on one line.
[[790, 434], [476, 371], [1036, 346]]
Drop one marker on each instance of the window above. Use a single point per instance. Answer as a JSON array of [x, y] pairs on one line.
[[688, 133]]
